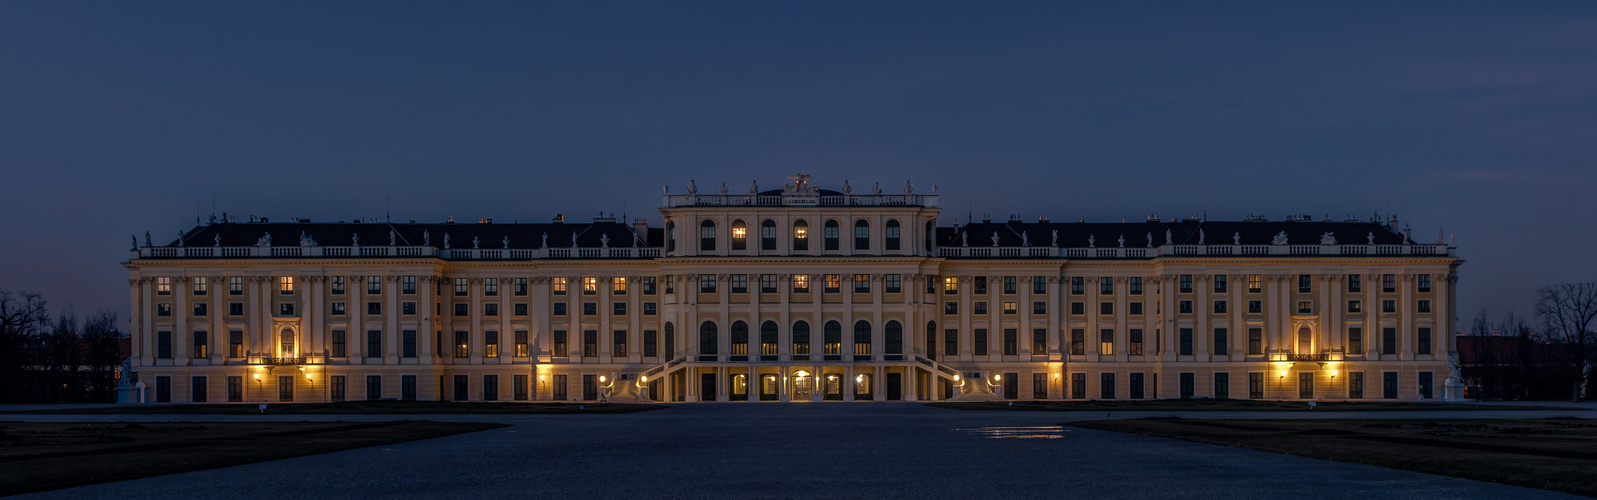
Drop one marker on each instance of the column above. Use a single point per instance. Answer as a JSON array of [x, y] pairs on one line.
[[355, 336], [180, 316], [391, 333], [848, 382]]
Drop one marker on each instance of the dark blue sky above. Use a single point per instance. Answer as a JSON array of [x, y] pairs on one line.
[[1473, 117]]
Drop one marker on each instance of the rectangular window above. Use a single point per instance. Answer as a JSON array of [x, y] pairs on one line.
[[706, 283], [340, 345], [590, 286], [235, 343], [1106, 389], [374, 387], [979, 339], [163, 345], [1039, 285], [1078, 341], [1424, 284], [1305, 385], [1426, 379], [1355, 385], [1039, 341], [490, 387], [650, 308], [163, 388], [801, 283], [1106, 308], [1039, 386], [462, 287], [1188, 385], [462, 345], [1219, 283], [285, 285], [1134, 385], [1078, 308], [894, 283], [1388, 306], [1185, 281], [1424, 344], [374, 308], [1106, 285], [374, 285], [202, 349], [490, 343], [235, 285], [1255, 341], [833, 283], [1011, 342], [979, 307], [235, 308], [1135, 288], [200, 284], [1221, 341], [1255, 306], [561, 347], [649, 284], [590, 308], [374, 343], [618, 285], [1388, 340], [1219, 307], [407, 387], [740, 283], [1305, 307], [558, 389], [1078, 285], [1355, 340], [1255, 385], [200, 309], [651, 343], [336, 285], [618, 308], [862, 283], [163, 309], [1185, 306], [409, 307], [590, 343], [1134, 346], [1011, 307], [163, 285], [1388, 283], [1389, 385], [235, 389], [767, 283], [1011, 284], [980, 284], [338, 309], [618, 343], [1355, 283], [1305, 283], [1222, 385], [950, 285], [1039, 307], [1106, 341], [558, 285], [1424, 306], [1255, 283], [408, 343], [1354, 306], [951, 343], [519, 382], [1078, 386], [1134, 308], [1186, 341]]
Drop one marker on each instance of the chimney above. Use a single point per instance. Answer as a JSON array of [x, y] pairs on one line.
[[560, 219]]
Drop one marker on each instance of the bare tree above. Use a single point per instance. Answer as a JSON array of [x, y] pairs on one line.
[[1567, 312], [102, 353], [22, 319], [66, 359]]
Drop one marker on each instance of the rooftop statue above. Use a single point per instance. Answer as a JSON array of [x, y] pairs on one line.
[[475, 242], [147, 239], [1167, 239], [1150, 239], [136, 241], [847, 188], [723, 189], [392, 238], [1327, 238], [305, 240], [1025, 240], [909, 188], [995, 238], [800, 185], [446, 240], [1280, 239], [265, 241], [506, 241], [1369, 239], [545, 240], [180, 237], [1236, 238], [876, 188], [426, 237], [1055, 241], [573, 239], [754, 187], [964, 239], [1122, 241], [1092, 241], [356, 239], [1200, 237], [217, 238], [693, 189], [604, 241]]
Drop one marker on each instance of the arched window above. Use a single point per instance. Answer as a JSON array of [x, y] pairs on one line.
[[768, 338], [801, 338], [862, 235], [931, 340], [830, 235], [768, 235], [893, 338], [670, 236], [286, 337], [801, 235], [833, 336], [708, 341], [1305, 341], [740, 234], [862, 338], [891, 233], [707, 236], [740, 338], [670, 340]]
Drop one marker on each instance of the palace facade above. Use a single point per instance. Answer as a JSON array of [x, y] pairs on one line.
[[795, 294]]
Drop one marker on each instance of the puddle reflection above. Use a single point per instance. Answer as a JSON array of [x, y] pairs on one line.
[[1036, 432]]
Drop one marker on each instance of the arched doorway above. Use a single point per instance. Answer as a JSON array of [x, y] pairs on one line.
[[1305, 341], [803, 386]]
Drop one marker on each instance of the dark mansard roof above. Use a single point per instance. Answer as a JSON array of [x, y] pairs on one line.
[[488, 235], [1107, 234]]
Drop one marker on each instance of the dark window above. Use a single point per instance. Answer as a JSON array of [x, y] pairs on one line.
[[1255, 306], [1134, 308], [1189, 385], [1424, 344], [1078, 285], [1355, 340], [1389, 385], [1424, 306], [1106, 308], [1186, 306], [1355, 283], [1039, 341], [1219, 283], [235, 389], [1078, 386], [650, 343], [340, 344], [981, 285], [862, 338], [1255, 341], [490, 387], [1106, 388], [197, 389], [235, 308], [1106, 286], [740, 340], [950, 308], [670, 340], [707, 236], [1219, 307], [462, 387], [708, 341], [590, 387], [163, 345], [862, 235], [558, 389], [979, 343], [1039, 386], [1355, 385], [408, 338], [1039, 285], [407, 387], [1424, 286], [1078, 341], [950, 343], [1185, 281], [1186, 343], [519, 387], [1134, 385], [374, 387], [1305, 385], [462, 309], [1039, 307], [1011, 342], [163, 389], [1010, 284], [832, 338], [1305, 283], [374, 343], [1220, 341], [1135, 286], [892, 337], [891, 235], [1388, 340], [590, 343], [1222, 385], [560, 345], [831, 235], [1256, 385]]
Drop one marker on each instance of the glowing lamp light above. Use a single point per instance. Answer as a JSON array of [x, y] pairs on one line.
[[859, 378], [956, 378], [601, 379], [998, 377], [1283, 373], [643, 378]]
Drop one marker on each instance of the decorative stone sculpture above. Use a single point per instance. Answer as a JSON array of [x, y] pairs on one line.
[[1369, 239], [1092, 241], [848, 189], [693, 189], [475, 241], [754, 187], [136, 241], [265, 241], [909, 188], [964, 239], [506, 242], [995, 238], [800, 185], [147, 239], [876, 188], [1055, 241], [723, 189], [1327, 238], [1122, 241], [180, 237], [545, 240], [305, 240], [1168, 240], [1236, 238], [1200, 237], [604, 241], [392, 238], [573, 239], [1150, 239], [1280, 239], [217, 239], [356, 239], [446, 240], [426, 237], [1025, 239]]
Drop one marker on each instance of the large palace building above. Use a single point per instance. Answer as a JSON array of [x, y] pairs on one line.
[[795, 294]]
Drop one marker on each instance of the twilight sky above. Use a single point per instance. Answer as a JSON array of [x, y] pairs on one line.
[[1479, 118]]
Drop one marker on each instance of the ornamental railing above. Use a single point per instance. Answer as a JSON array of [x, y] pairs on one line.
[[396, 251], [1192, 251], [766, 200]]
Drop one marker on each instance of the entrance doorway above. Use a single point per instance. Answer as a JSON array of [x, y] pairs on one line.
[[803, 386], [740, 387], [895, 386], [768, 388], [707, 387], [832, 387]]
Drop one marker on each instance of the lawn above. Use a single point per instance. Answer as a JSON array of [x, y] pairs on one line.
[[38, 456], [1557, 453], [357, 408], [1223, 405]]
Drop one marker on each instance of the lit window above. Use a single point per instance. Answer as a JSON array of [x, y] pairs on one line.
[[1011, 307], [862, 283], [163, 285], [834, 283], [285, 285], [618, 285], [200, 285], [490, 287], [559, 285], [590, 286], [1255, 283], [739, 235], [950, 285], [801, 283]]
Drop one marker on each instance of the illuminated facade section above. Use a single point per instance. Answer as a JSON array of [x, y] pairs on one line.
[[738, 298]]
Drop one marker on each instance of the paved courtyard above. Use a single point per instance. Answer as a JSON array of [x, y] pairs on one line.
[[797, 451]]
